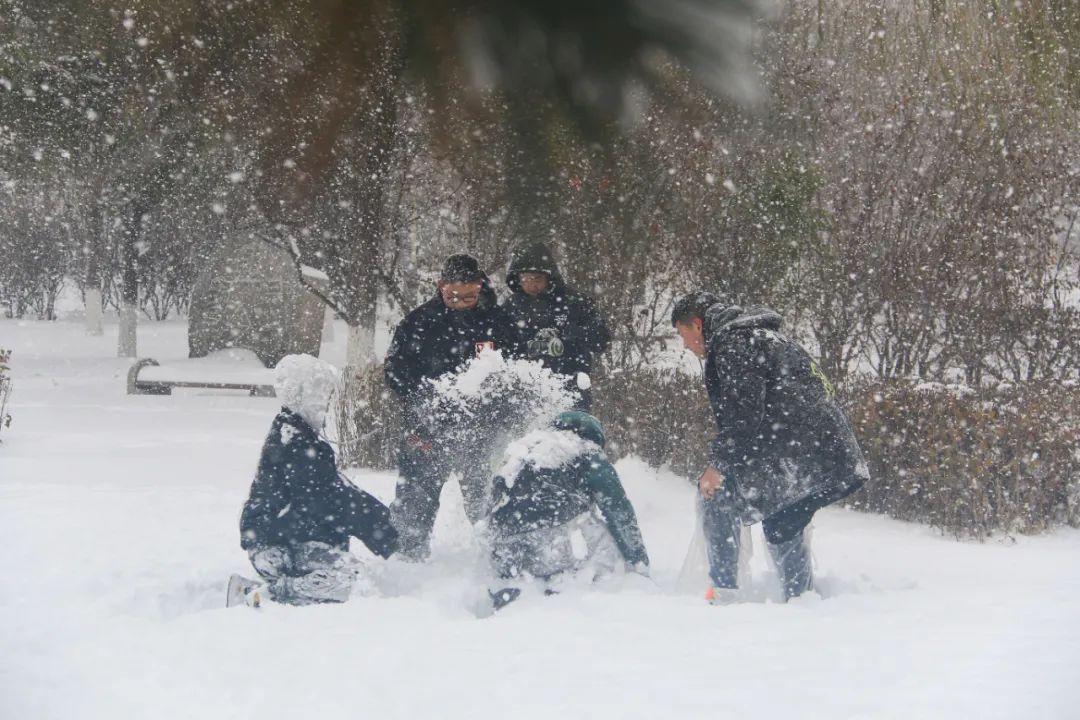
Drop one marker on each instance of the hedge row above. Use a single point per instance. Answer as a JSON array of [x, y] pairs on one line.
[[971, 462]]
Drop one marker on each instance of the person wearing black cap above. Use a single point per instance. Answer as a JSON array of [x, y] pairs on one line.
[[783, 449], [437, 338], [562, 327]]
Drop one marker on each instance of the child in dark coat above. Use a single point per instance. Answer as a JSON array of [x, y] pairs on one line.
[[301, 512]]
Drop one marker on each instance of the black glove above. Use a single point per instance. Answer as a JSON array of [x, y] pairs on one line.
[[546, 342]]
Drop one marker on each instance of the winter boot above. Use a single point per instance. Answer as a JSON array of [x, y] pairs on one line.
[[721, 596], [794, 565], [502, 598], [242, 591]]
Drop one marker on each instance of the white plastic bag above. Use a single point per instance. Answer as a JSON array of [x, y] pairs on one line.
[[694, 575]]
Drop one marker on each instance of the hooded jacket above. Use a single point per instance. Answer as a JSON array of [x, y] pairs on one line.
[[557, 475], [574, 316], [298, 496], [782, 440], [433, 340]]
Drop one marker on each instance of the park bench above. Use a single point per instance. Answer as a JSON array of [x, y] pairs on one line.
[[233, 369]]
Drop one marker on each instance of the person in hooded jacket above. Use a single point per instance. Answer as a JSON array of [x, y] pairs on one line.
[[559, 508], [300, 512], [783, 449], [440, 337], [562, 327]]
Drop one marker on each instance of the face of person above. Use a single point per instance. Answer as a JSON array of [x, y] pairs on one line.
[[460, 295], [693, 336], [534, 283]]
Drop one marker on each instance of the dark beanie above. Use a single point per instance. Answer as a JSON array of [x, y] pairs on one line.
[[461, 268]]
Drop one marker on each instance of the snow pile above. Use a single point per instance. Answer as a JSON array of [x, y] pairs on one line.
[[543, 450], [491, 374], [305, 384], [954, 389], [494, 393]]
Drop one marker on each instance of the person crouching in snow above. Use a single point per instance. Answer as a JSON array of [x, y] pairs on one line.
[[559, 508], [783, 449], [300, 513]]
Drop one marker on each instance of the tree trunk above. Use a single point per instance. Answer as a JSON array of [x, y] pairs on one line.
[[360, 348], [820, 24], [50, 303], [95, 318], [129, 288], [129, 319], [95, 242], [328, 326]]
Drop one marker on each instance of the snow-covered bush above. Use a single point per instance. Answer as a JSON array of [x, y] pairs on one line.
[[661, 416], [971, 462], [5, 387]]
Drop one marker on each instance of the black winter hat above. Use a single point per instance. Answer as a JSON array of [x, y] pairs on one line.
[[462, 268], [534, 257], [693, 305]]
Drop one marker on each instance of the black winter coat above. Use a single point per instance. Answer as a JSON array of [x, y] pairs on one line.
[[433, 340], [783, 442], [298, 496], [574, 316]]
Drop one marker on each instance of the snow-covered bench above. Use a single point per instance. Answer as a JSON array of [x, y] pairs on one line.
[[233, 369]]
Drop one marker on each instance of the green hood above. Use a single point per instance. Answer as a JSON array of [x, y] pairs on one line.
[[583, 424]]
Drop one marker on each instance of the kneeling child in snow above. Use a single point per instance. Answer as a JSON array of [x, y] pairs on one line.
[[560, 508], [301, 512]]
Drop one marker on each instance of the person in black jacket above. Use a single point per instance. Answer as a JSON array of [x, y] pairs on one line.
[[437, 338], [561, 326], [559, 507], [784, 448], [300, 513]]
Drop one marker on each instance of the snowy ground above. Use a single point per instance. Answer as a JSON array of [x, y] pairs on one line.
[[118, 523]]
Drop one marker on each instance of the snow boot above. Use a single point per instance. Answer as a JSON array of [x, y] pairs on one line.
[[502, 598], [721, 596], [242, 591], [793, 565]]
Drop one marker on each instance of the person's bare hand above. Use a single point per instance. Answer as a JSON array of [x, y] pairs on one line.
[[710, 481]]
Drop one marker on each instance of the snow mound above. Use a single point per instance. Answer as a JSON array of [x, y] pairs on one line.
[[543, 450], [496, 392]]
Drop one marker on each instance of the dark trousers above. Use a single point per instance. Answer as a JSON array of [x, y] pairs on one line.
[[583, 543], [423, 474], [784, 536]]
